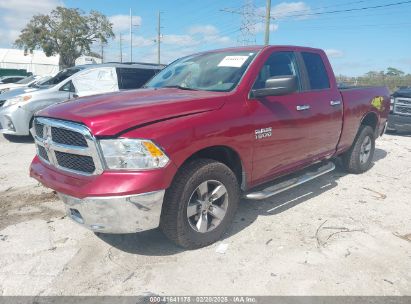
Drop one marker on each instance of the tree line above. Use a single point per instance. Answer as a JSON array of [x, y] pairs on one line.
[[392, 78]]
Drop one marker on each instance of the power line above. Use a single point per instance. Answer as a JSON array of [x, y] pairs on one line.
[[248, 23], [327, 6], [349, 10]]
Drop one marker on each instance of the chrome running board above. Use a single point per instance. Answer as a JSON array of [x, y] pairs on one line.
[[290, 183]]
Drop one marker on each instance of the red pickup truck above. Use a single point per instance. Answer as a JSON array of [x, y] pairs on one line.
[[207, 130]]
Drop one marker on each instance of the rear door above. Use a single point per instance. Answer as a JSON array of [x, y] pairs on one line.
[[325, 104]]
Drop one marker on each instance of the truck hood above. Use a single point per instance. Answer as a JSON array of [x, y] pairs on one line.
[[113, 113]]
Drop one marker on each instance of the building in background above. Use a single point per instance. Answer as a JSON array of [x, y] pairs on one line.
[[37, 63], [87, 60]]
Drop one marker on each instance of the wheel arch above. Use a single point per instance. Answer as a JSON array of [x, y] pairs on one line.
[[370, 119], [226, 155]]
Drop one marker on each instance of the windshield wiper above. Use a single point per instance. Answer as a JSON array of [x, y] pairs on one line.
[[180, 87]]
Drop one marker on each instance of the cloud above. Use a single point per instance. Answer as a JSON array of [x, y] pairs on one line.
[[207, 30], [260, 27], [208, 34], [121, 23], [179, 40], [333, 53], [28, 6], [15, 14], [290, 9], [293, 10], [196, 38]]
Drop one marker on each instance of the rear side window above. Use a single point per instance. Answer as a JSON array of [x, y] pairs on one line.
[[133, 78], [317, 74]]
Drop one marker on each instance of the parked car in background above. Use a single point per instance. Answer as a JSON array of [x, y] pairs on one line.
[[27, 81], [399, 118], [16, 113], [11, 79], [208, 129], [22, 90]]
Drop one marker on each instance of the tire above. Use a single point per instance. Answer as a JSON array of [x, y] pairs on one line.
[[191, 224], [359, 158]]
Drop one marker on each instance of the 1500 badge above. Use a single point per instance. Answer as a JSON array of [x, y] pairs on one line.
[[263, 133]]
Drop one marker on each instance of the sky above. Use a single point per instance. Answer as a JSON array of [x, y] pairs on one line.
[[357, 37]]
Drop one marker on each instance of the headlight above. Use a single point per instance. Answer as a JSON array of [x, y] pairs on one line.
[[16, 100], [4, 90], [132, 154]]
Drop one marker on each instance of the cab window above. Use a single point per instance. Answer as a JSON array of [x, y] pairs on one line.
[[278, 64]]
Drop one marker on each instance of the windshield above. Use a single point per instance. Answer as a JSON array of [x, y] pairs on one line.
[[60, 76], [217, 71], [26, 80]]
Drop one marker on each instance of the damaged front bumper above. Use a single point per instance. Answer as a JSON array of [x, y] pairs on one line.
[[116, 214]]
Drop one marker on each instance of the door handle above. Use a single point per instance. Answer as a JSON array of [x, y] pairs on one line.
[[335, 103], [303, 107]]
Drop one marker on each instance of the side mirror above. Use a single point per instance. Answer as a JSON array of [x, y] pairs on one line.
[[276, 86]]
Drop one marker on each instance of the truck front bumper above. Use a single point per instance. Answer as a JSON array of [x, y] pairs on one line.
[[399, 122], [116, 214], [111, 202]]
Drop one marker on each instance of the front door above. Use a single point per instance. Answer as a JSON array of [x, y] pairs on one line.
[[288, 127]]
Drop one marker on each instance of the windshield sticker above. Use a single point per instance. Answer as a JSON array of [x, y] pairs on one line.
[[233, 61]]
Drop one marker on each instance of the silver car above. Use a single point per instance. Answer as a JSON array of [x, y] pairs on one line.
[[16, 112]]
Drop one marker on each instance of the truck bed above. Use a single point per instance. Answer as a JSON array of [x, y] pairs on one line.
[[356, 102]]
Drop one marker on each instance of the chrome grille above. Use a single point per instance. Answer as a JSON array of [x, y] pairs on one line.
[[402, 106], [403, 110], [75, 162], [67, 146], [42, 153], [39, 129], [67, 137]]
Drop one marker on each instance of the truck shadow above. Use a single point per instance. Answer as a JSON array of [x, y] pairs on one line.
[[399, 133], [19, 139], [154, 243]]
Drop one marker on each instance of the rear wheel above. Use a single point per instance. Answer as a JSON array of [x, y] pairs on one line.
[[200, 204], [359, 158]]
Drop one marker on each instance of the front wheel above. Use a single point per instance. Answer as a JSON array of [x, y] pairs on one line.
[[200, 204], [359, 158]]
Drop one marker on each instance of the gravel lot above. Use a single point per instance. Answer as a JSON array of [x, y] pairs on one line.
[[338, 235]]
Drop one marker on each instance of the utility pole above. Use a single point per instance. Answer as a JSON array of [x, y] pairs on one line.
[[121, 49], [267, 22], [131, 36], [102, 51], [158, 36]]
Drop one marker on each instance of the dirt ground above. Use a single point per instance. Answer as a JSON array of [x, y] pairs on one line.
[[338, 235]]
